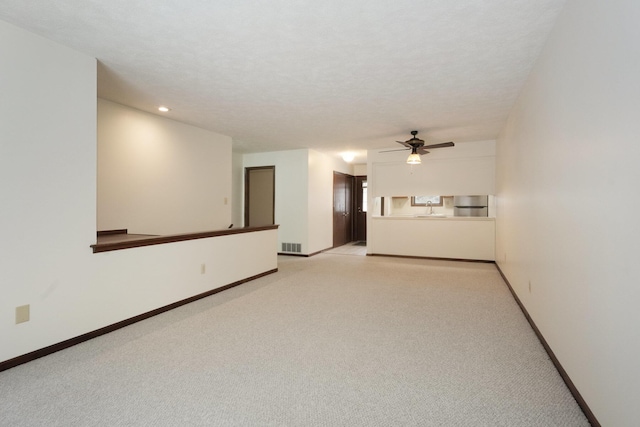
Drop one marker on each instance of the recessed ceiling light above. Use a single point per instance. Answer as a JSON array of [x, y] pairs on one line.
[[164, 109]]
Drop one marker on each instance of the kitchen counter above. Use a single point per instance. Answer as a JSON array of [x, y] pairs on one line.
[[471, 238], [434, 217]]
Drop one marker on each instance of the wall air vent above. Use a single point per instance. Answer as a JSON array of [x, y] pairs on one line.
[[292, 247]]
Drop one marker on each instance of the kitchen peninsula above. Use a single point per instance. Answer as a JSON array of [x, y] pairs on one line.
[[471, 238]]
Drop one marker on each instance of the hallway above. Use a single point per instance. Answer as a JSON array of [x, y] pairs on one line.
[[358, 248]]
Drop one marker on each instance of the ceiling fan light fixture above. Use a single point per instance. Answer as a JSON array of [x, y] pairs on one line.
[[415, 144], [413, 159]]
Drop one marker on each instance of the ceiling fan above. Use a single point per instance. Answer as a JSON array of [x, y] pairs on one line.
[[417, 147]]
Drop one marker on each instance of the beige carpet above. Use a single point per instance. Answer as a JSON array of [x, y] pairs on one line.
[[330, 340]]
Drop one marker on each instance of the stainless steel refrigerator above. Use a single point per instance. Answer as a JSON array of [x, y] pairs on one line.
[[470, 206]]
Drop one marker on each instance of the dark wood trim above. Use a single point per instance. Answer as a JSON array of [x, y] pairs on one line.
[[112, 232], [7, 364], [436, 258], [159, 240], [290, 254], [567, 380], [303, 255]]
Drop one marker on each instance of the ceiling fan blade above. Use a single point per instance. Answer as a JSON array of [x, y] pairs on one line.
[[442, 145], [406, 144], [421, 151], [399, 149]]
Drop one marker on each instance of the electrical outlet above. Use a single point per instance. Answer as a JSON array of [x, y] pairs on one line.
[[22, 314], [529, 286], [226, 201], [203, 268]]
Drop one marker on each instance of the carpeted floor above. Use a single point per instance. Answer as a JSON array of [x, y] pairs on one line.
[[329, 340]]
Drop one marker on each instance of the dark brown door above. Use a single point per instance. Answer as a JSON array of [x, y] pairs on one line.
[[342, 208], [361, 208], [259, 196]]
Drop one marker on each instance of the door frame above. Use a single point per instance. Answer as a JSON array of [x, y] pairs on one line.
[[350, 204], [359, 217], [247, 171]]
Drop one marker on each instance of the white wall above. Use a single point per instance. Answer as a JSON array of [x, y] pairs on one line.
[[291, 208], [128, 282], [48, 189], [320, 198], [360, 169], [304, 195], [47, 180], [237, 190], [569, 150], [160, 176], [467, 168]]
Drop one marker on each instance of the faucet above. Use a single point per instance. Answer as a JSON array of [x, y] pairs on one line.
[[430, 208]]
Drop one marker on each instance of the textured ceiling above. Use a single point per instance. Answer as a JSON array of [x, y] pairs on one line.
[[332, 75]]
